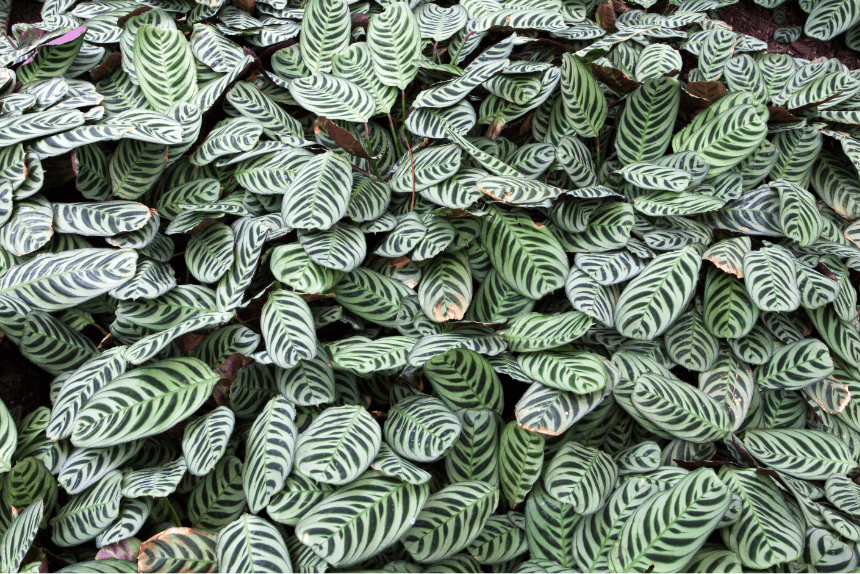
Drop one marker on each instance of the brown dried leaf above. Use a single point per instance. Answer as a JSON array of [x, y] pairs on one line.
[[341, 137], [615, 79]]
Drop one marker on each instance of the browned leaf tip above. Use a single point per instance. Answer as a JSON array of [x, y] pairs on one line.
[[341, 137], [780, 115], [696, 96], [136, 12], [229, 369], [188, 342], [606, 16], [617, 80], [106, 66]]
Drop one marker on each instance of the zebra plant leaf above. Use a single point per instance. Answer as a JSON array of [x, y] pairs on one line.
[[332, 97], [339, 445], [288, 329], [178, 548], [251, 544], [821, 456], [271, 449], [143, 402], [669, 528], [164, 66], [450, 520], [584, 104], [769, 275], [581, 476], [204, 441], [421, 428], [341, 529], [325, 32], [394, 39], [18, 538], [653, 300], [88, 513]]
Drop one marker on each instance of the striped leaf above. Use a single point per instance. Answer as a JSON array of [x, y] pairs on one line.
[[319, 194], [210, 253], [176, 549], [652, 301], [290, 264], [584, 104], [332, 97], [310, 382], [527, 255], [325, 32], [57, 281], [463, 379], [475, 455], [520, 461], [133, 512], [595, 534], [52, 345], [580, 373], [88, 513], [299, 495], [550, 411], [270, 451], [18, 538], [355, 64], [288, 329], [143, 402], [341, 247], [550, 526], [339, 445], [669, 528], [363, 356], [218, 499], [30, 226], [394, 39], [86, 466], [803, 454], [644, 129], [500, 540], [450, 520], [725, 140], [795, 366], [158, 482], [251, 544], [205, 440], [342, 529], [164, 66], [728, 310], [581, 476], [769, 275], [767, 532], [421, 428], [680, 410], [445, 291]]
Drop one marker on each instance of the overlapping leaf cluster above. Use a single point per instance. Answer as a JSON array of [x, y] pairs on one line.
[[617, 332]]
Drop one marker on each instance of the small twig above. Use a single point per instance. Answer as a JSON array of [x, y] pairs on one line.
[[460, 49], [365, 173], [411, 161]]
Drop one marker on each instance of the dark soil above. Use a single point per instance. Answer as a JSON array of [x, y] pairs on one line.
[[22, 384], [751, 19]]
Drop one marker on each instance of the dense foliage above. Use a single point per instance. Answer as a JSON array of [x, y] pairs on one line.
[[343, 330]]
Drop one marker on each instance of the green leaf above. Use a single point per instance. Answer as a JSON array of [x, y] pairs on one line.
[[450, 520], [520, 461], [218, 499], [158, 482], [581, 476], [463, 379], [88, 513], [767, 532], [164, 66], [325, 32], [584, 104], [795, 366], [525, 253], [204, 440], [342, 529], [653, 300], [270, 451], [332, 97], [288, 329], [500, 540], [421, 428], [143, 402], [769, 275], [580, 373], [395, 44], [251, 544], [18, 538], [176, 549], [667, 530], [803, 454], [475, 455], [339, 445], [319, 194], [679, 410]]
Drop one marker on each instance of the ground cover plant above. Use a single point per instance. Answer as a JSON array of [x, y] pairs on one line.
[[533, 286]]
